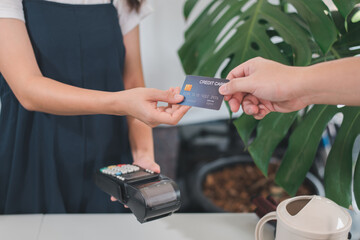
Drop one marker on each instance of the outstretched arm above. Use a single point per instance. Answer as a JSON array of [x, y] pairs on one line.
[[38, 93], [262, 86]]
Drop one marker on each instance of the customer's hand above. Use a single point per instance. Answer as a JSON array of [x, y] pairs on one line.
[[262, 86], [142, 103]]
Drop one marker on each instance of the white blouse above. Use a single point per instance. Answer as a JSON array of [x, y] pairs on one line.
[[128, 18]]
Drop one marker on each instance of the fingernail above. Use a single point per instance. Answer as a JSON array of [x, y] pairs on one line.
[[178, 97], [223, 89], [250, 112]]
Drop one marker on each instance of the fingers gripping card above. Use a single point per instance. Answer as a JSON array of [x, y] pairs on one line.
[[202, 92]]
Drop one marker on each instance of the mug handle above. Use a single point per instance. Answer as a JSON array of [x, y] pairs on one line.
[[260, 225]]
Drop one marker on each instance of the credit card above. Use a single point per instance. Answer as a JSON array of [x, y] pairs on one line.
[[202, 92]]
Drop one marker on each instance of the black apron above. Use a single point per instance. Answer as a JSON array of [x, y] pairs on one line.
[[47, 161]]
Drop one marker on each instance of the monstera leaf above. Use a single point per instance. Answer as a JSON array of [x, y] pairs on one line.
[[188, 7], [349, 8], [302, 147], [293, 32]]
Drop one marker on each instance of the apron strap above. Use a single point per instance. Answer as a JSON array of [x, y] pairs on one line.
[[112, 1]]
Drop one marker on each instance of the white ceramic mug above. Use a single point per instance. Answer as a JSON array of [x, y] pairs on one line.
[[307, 217]]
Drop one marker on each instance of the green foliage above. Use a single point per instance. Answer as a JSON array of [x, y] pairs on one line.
[[229, 32], [338, 171], [302, 147], [357, 181], [188, 7], [270, 131], [245, 126], [347, 8]]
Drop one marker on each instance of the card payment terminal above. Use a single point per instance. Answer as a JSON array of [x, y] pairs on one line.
[[149, 195]]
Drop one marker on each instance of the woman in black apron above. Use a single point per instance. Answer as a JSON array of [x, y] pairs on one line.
[[47, 159]]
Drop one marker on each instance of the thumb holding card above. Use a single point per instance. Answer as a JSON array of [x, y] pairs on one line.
[[170, 96]]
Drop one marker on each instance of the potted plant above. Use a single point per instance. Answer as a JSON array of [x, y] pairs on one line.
[[292, 32], [229, 184]]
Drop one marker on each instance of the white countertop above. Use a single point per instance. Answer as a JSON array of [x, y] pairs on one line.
[[185, 226]]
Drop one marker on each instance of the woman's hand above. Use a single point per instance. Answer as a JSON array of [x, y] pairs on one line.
[[146, 161], [142, 103], [262, 86]]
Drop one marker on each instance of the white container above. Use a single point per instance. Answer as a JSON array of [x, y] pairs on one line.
[[308, 217]]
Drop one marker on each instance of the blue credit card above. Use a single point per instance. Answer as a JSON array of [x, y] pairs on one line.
[[202, 92]]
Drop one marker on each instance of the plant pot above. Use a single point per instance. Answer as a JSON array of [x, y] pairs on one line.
[[311, 183]]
